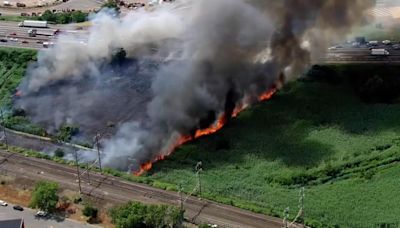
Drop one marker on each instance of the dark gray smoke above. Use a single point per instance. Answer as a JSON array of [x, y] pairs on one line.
[[211, 54]]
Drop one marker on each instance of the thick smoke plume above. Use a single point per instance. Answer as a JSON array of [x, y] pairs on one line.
[[211, 56]]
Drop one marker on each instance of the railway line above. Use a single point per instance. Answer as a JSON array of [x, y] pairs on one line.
[[120, 191]]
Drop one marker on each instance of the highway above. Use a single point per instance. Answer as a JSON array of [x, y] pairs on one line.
[[108, 188], [362, 54], [9, 31]]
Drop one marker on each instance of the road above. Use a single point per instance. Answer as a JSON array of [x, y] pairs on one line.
[[116, 190], [11, 30], [361, 54], [32, 221]]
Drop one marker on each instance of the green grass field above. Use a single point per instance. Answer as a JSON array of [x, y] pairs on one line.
[[13, 64], [313, 134]]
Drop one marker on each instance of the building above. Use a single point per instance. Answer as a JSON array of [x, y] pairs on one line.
[[12, 223]]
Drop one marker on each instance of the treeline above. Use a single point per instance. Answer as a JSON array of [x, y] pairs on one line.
[[64, 17], [135, 214]]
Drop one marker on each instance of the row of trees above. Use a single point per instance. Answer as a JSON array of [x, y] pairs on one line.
[[135, 214], [64, 17]]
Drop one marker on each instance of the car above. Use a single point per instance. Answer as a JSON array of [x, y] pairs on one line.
[[396, 46], [3, 203], [386, 42], [3, 40], [13, 34], [25, 42], [18, 208], [39, 42], [41, 214]]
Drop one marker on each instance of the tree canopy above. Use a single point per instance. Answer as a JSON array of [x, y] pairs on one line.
[[45, 196], [135, 214]]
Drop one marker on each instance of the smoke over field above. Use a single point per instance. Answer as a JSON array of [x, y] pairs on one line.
[[187, 63]]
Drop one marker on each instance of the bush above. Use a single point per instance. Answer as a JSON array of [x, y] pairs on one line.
[[90, 211], [59, 153], [66, 132]]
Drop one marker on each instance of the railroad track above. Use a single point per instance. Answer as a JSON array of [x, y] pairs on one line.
[[117, 190]]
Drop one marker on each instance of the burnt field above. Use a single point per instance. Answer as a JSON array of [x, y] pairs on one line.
[[118, 94]]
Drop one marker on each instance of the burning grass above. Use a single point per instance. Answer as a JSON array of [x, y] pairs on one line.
[[314, 134]]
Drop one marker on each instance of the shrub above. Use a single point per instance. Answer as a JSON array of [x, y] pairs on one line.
[[90, 211], [59, 153]]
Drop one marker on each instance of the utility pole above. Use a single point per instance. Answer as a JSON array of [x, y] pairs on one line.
[[301, 204], [180, 196], [181, 211], [98, 151], [4, 130], [199, 168], [77, 171], [88, 175], [285, 217]]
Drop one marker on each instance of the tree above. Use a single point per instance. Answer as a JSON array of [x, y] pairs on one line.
[[45, 196], [135, 214]]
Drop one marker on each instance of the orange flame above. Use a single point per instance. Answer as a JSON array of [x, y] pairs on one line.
[[222, 120]]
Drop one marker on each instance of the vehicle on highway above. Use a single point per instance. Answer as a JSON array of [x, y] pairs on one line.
[[3, 40], [41, 214], [3, 203], [335, 47], [35, 24], [373, 43], [39, 42], [396, 46], [18, 208], [25, 42], [13, 39], [13, 34], [379, 52], [35, 32], [47, 44], [386, 42]]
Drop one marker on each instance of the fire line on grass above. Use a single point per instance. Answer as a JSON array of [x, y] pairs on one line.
[[218, 125]]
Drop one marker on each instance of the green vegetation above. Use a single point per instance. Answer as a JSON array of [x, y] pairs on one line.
[[338, 136], [17, 18], [90, 211], [13, 63], [45, 196], [135, 214], [59, 153], [111, 4], [64, 17], [57, 17], [66, 132]]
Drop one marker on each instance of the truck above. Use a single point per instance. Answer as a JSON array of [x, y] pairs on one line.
[[47, 32], [35, 24], [379, 52]]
